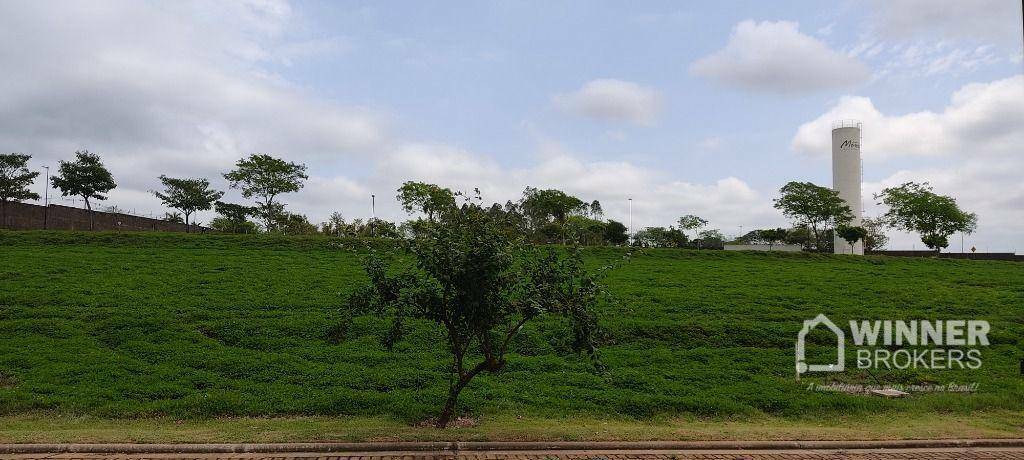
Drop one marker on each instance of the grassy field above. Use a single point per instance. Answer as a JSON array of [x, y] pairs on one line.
[[107, 327]]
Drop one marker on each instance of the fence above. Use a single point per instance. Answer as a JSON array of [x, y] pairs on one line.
[[952, 255], [25, 216]]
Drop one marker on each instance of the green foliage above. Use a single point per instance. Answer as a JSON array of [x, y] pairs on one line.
[[660, 237], [481, 287], [691, 222], [851, 234], [543, 206], [426, 198], [819, 208], [915, 207], [85, 177], [234, 218], [15, 178], [174, 217], [615, 233], [294, 224], [876, 239], [187, 195], [208, 325], [265, 177]]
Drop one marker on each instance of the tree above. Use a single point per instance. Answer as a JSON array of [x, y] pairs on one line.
[[596, 211], [914, 207], [712, 238], [426, 198], [817, 207], [85, 177], [615, 233], [234, 218], [691, 222], [543, 206], [851, 234], [772, 236], [173, 217], [187, 195], [876, 238], [481, 286], [266, 177], [15, 179], [294, 224]]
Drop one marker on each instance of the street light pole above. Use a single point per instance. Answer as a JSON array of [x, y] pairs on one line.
[[373, 212], [631, 218], [46, 198]]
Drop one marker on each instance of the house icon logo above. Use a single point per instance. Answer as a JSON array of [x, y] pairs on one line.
[[809, 325]]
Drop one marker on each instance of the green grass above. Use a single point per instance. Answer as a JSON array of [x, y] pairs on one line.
[[144, 325]]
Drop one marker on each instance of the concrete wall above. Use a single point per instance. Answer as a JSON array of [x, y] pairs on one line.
[[764, 247], [24, 216], [952, 255]]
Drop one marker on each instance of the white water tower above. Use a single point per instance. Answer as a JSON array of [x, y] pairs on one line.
[[847, 175]]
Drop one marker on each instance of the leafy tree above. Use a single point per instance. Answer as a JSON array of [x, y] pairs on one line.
[[15, 179], [596, 211], [851, 234], [543, 206], [266, 177], [584, 230], [294, 224], [817, 207], [187, 195], [876, 238], [712, 238], [481, 286], [615, 233], [914, 207], [691, 222], [660, 237], [85, 177], [426, 198], [772, 236], [174, 217], [234, 218]]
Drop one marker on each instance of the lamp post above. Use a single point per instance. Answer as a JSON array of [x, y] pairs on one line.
[[373, 212], [630, 219], [46, 198]]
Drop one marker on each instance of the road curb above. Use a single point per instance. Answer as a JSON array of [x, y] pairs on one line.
[[466, 446]]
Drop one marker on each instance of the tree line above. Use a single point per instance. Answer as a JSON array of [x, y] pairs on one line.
[[541, 215]]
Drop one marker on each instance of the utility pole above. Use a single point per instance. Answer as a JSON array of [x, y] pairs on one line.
[[46, 199], [373, 212], [630, 219]]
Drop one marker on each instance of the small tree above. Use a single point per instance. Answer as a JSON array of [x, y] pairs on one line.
[[817, 207], [187, 195], [481, 285], [426, 198], [615, 233], [691, 222], [915, 207], [173, 217], [851, 234], [234, 218], [772, 236], [266, 177], [876, 238], [15, 179], [85, 177]]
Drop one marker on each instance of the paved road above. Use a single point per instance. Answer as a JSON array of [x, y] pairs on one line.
[[806, 454]]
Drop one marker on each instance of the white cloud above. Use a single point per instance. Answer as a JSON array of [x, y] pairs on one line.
[[994, 20], [777, 57], [981, 119], [613, 100], [176, 89]]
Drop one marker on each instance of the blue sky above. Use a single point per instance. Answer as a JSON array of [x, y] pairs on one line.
[[696, 107]]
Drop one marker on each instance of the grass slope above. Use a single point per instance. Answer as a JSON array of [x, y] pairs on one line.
[[185, 326]]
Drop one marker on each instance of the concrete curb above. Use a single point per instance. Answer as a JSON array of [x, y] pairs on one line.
[[457, 446]]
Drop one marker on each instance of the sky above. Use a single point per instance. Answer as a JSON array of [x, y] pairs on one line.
[[700, 108]]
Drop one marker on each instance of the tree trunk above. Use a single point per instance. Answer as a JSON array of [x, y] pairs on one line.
[[92, 224], [186, 222], [3, 213], [448, 413]]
